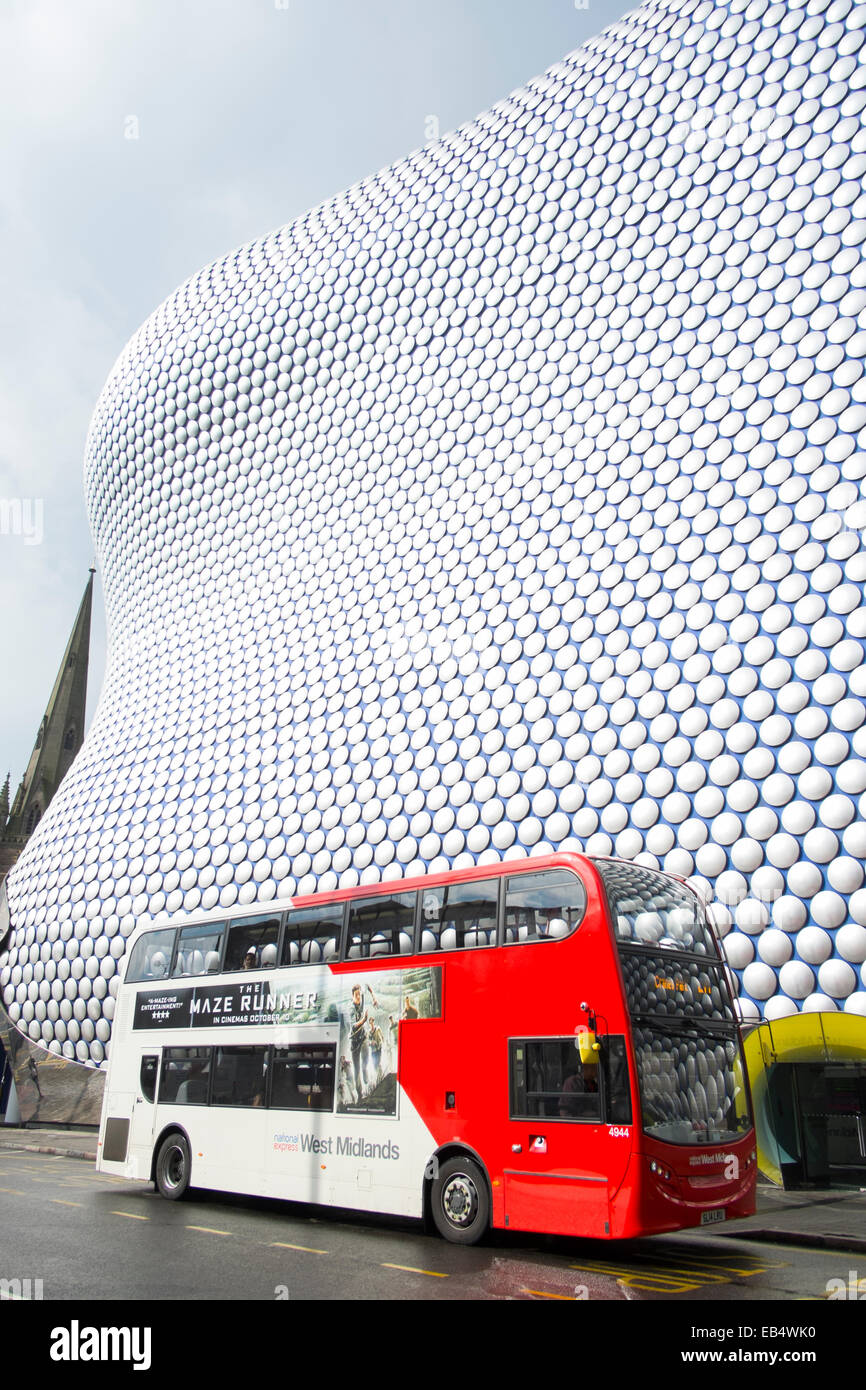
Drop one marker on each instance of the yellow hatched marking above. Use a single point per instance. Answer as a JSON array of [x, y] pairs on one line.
[[746, 1266], [688, 1270], [695, 1272], [130, 1215], [209, 1230], [540, 1293], [649, 1279], [410, 1269], [307, 1249]]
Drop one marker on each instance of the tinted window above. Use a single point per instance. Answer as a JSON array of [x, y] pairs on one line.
[[185, 1076], [691, 1086], [147, 1077], [543, 907], [239, 1076], [151, 956], [312, 934], [199, 950], [549, 1080], [252, 943], [457, 916], [381, 926], [651, 909], [303, 1077], [617, 1091]]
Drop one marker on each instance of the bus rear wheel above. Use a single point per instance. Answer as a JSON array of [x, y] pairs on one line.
[[173, 1167], [461, 1204]]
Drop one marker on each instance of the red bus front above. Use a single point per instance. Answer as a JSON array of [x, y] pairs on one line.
[[693, 1158]]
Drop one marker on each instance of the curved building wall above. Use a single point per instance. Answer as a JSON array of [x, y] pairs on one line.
[[508, 501]]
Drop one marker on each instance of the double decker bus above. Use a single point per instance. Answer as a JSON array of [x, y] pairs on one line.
[[543, 1045]]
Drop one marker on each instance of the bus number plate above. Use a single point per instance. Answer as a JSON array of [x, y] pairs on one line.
[[710, 1218]]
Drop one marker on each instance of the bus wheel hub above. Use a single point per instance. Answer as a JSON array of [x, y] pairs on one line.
[[460, 1199]]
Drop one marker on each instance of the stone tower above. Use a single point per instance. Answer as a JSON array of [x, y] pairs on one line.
[[58, 739]]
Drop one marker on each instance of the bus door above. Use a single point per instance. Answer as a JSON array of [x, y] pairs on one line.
[[144, 1105], [129, 1115], [567, 1159]]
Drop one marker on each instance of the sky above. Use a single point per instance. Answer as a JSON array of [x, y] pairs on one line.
[[142, 139]]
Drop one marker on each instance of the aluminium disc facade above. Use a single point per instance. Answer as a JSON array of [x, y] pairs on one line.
[[509, 501]]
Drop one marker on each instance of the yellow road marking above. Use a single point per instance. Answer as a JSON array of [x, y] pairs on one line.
[[308, 1250], [13, 1191], [209, 1230], [58, 1201], [410, 1269], [131, 1215], [697, 1271], [649, 1279], [540, 1293], [743, 1269]]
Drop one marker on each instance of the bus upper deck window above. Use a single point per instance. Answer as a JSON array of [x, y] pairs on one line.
[[543, 906], [312, 934], [460, 916], [381, 926], [151, 956], [199, 950], [252, 943]]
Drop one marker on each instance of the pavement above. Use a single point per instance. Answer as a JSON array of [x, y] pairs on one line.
[[833, 1219]]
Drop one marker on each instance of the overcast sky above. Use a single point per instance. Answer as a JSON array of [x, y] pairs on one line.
[[142, 139]]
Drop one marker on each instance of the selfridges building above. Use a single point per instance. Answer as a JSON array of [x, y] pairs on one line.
[[511, 500]]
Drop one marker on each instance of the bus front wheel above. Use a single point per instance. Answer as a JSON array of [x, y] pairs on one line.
[[173, 1167], [461, 1204]]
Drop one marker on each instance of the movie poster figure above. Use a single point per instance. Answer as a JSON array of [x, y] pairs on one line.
[[376, 1042], [357, 1023], [370, 1010]]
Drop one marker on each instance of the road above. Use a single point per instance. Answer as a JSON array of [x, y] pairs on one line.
[[88, 1236]]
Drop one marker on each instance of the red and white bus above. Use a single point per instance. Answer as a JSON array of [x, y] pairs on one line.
[[541, 1045]]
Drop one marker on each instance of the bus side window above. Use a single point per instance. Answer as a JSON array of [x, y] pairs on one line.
[[303, 1077], [196, 947], [543, 906], [147, 1076], [151, 956], [548, 1079], [312, 934], [240, 1076], [185, 1075], [252, 943], [617, 1093], [460, 916], [381, 926]]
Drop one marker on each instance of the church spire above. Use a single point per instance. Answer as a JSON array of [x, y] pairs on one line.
[[58, 739]]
